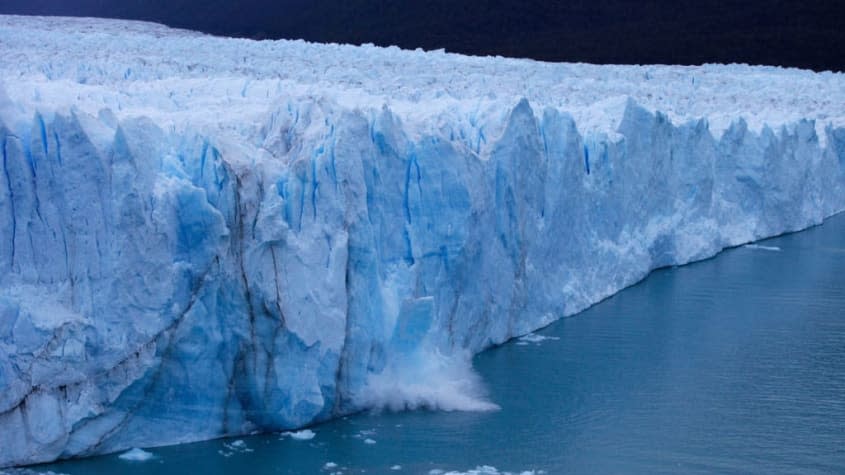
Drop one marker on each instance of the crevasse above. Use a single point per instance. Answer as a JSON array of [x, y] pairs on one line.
[[167, 283]]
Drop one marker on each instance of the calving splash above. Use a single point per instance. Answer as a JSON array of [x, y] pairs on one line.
[[429, 380], [202, 237]]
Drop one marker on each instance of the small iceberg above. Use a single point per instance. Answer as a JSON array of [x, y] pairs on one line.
[[136, 455], [305, 434]]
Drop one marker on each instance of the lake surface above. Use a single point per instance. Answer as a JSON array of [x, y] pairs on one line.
[[731, 365]]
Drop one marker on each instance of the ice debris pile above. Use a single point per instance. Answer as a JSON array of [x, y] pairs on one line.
[[204, 236]]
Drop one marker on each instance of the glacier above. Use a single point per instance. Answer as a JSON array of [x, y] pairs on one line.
[[202, 237]]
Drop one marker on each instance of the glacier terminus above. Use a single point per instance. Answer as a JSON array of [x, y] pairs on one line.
[[202, 236]]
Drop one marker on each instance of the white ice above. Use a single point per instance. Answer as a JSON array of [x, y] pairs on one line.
[[306, 434], [136, 455]]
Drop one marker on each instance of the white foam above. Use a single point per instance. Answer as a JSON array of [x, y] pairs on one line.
[[535, 338], [427, 380], [136, 455]]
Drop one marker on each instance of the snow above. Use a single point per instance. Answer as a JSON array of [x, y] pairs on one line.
[[169, 69], [136, 455], [203, 237]]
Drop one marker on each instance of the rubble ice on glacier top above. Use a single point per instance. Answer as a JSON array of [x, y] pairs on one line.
[[177, 77]]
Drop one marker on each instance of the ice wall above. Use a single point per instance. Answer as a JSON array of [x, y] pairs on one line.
[[163, 284], [156, 292]]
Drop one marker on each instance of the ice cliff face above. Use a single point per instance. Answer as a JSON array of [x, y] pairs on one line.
[[202, 237]]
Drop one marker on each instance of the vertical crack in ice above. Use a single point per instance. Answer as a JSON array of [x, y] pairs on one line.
[[11, 200], [43, 131], [277, 285], [586, 159], [339, 398]]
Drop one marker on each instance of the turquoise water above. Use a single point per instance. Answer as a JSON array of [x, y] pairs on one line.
[[731, 365]]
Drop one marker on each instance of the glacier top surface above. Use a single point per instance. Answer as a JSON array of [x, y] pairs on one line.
[[180, 77]]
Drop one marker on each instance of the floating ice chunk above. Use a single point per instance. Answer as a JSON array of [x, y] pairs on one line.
[[306, 434], [364, 434], [136, 455], [486, 470], [396, 467], [480, 470], [369, 441], [238, 446], [329, 466], [26, 471], [763, 248]]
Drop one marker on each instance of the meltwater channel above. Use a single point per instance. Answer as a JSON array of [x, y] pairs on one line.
[[731, 365]]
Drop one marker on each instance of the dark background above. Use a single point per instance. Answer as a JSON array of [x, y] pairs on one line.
[[807, 34]]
